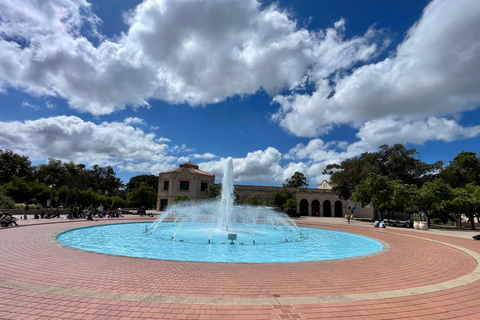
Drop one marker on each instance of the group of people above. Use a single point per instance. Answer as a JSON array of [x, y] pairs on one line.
[[47, 215], [7, 220], [91, 213], [379, 224]]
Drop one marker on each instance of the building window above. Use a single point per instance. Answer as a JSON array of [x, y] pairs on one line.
[[166, 184], [203, 186], [185, 185]]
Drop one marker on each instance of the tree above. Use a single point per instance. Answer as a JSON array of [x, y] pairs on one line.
[[89, 197], [255, 201], [462, 170], [433, 198], [279, 198], [386, 195], [298, 180], [394, 163], [467, 201], [291, 205], [345, 177], [73, 172], [17, 189], [214, 192], [147, 179], [103, 179], [143, 195], [14, 165], [118, 202], [6, 202], [182, 198]]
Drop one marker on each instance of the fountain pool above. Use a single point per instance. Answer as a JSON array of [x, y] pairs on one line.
[[190, 244], [220, 231]]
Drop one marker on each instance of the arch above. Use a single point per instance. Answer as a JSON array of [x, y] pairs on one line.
[[315, 208], [327, 208], [243, 199], [304, 207], [338, 209]]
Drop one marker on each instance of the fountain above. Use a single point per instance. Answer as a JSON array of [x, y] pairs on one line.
[[220, 231], [219, 220]]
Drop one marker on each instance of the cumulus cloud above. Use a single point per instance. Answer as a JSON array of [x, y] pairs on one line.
[[196, 52], [432, 73], [202, 156], [262, 166], [390, 131], [71, 138], [134, 120]]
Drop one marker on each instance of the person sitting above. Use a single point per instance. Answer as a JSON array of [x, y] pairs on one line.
[[42, 214], [4, 220], [376, 224], [382, 224], [91, 216], [13, 221]]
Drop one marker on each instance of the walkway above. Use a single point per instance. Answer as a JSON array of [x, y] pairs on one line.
[[420, 275]]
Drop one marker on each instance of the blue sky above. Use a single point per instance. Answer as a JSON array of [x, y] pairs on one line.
[[279, 86]]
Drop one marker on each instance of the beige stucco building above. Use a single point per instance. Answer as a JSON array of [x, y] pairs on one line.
[[186, 180], [189, 180]]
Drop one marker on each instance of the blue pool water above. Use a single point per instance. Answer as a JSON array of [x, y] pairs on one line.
[[190, 243]]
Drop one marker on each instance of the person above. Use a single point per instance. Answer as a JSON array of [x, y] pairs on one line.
[[91, 216], [4, 220], [13, 220], [100, 211], [42, 214], [382, 224], [25, 212], [376, 224], [70, 213], [348, 218]]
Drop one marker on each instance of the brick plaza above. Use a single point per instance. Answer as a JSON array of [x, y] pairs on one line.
[[419, 275]]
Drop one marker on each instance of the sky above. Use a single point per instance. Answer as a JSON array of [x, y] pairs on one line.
[[279, 86]]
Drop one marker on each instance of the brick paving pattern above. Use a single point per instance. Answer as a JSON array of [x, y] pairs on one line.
[[43, 280]]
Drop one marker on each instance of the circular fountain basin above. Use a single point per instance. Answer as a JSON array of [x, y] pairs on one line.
[[272, 244]]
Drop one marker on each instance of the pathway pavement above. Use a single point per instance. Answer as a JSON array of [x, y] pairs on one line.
[[420, 275]]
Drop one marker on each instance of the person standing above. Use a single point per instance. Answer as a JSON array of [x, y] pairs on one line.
[[25, 212]]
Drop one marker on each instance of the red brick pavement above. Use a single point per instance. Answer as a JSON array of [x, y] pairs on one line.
[[45, 270]]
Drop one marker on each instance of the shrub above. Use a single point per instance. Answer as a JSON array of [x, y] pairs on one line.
[[437, 221], [6, 202]]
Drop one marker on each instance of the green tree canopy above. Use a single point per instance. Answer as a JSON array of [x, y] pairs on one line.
[[462, 170], [143, 195], [433, 198], [386, 195], [14, 165], [147, 179], [279, 198], [214, 192], [467, 201], [394, 163], [255, 201], [298, 180]]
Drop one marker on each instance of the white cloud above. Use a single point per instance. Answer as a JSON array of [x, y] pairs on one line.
[[433, 73], [202, 156], [134, 120], [390, 131], [71, 138], [258, 166], [29, 105], [179, 51]]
